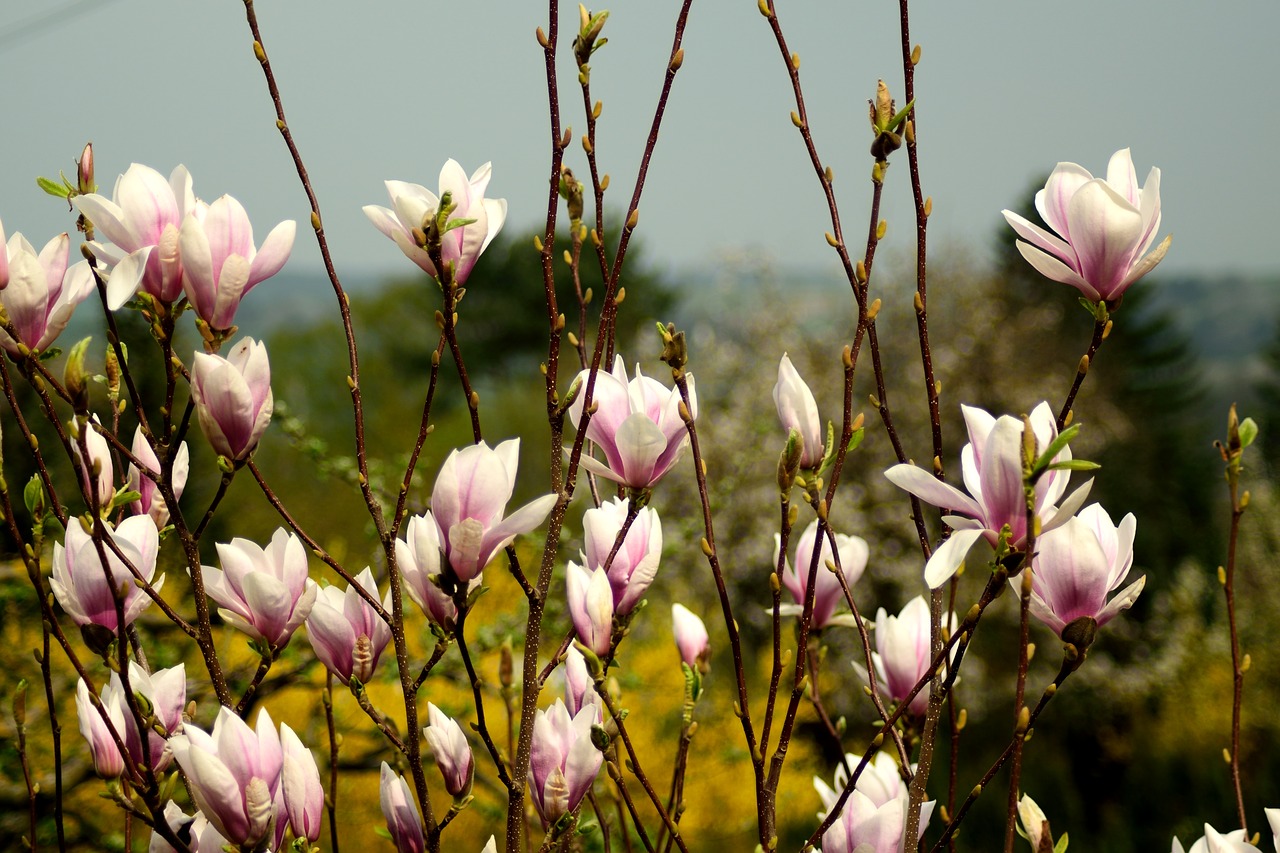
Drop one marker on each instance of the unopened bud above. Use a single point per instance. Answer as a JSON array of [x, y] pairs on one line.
[[73, 377], [84, 171]]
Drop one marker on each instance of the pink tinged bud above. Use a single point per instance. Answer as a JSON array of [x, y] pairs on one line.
[[233, 774], [142, 221], [636, 563], [469, 501], [691, 636], [84, 170], [263, 592], [799, 411], [1078, 564], [414, 206], [902, 655], [637, 425], [1104, 228], [98, 476], [222, 263], [874, 816], [107, 761], [578, 687], [166, 691], [1034, 823], [81, 586], [233, 397], [590, 606], [41, 291], [563, 762], [347, 634], [418, 557], [300, 783], [403, 821], [992, 467], [151, 501], [451, 750], [828, 594]]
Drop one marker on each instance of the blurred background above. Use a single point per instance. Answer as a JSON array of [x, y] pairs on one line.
[[730, 248]]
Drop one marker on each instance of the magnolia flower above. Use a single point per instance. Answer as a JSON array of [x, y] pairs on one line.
[[636, 563], [452, 752], [1273, 818], [875, 814], [564, 761], [233, 397], [264, 592], [414, 207], [578, 686], [99, 475], [38, 291], [221, 262], [166, 692], [637, 424], [798, 411], [346, 634], [491, 846], [81, 586], [992, 466], [590, 607], [469, 501], [107, 761], [142, 219], [1103, 228], [1035, 825], [1077, 565], [300, 788], [418, 557], [902, 656], [828, 593], [691, 637], [151, 502], [233, 774], [1217, 842], [203, 836], [400, 813]]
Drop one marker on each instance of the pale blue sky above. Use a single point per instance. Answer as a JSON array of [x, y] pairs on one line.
[[391, 89]]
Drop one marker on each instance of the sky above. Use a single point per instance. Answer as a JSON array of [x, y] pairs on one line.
[[391, 89]]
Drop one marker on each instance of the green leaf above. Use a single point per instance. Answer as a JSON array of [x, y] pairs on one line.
[[455, 223], [1248, 432], [1055, 447], [897, 120], [122, 498], [1061, 846], [855, 440], [1074, 465], [49, 354], [53, 188]]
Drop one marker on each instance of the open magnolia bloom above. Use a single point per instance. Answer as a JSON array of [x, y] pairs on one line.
[[1217, 842], [874, 816], [1104, 227], [39, 291], [828, 594], [992, 466]]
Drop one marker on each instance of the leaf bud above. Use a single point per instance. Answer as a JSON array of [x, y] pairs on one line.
[[73, 377]]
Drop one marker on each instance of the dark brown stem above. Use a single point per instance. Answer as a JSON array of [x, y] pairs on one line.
[[476, 692], [331, 798], [1100, 329], [424, 429], [1237, 667]]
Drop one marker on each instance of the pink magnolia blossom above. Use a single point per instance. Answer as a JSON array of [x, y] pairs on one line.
[[691, 636], [264, 592], [300, 789], [992, 467], [451, 750], [902, 654], [1217, 842], [98, 477], [590, 607], [38, 291], [204, 837], [222, 264], [233, 397], [1103, 228], [828, 594], [564, 761], [107, 761], [151, 501], [636, 563], [637, 425], [875, 814], [798, 411], [142, 219], [233, 774], [166, 691], [469, 501], [1078, 564], [578, 687], [81, 586], [418, 558], [414, 206], [400, 813], [347, 634]]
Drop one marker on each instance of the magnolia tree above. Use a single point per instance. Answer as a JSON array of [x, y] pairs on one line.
[[190, 766]]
